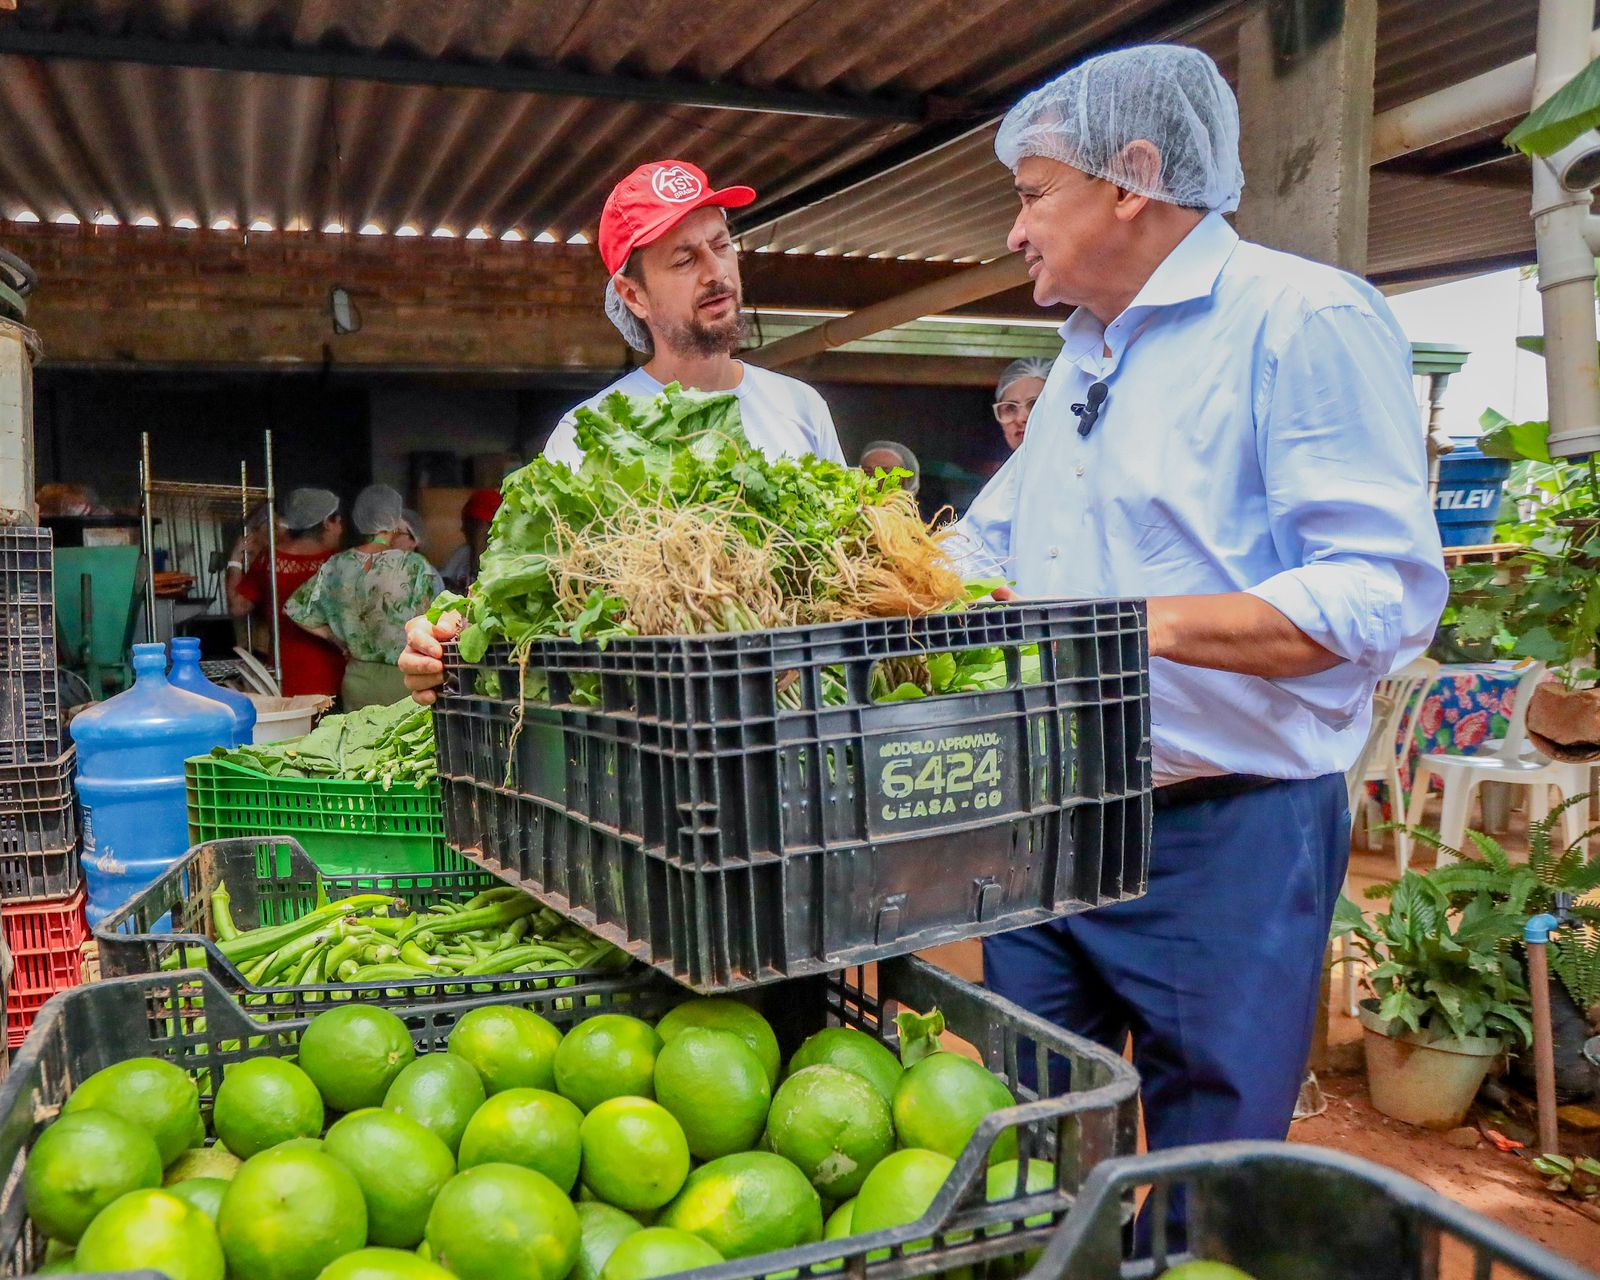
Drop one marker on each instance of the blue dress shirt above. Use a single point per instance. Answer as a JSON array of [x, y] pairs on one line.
[[1260, 434]]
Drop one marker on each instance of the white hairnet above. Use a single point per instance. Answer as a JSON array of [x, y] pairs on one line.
[[1026, 367], [1170, 96], [378, 509], [633, 330], [307, 508]]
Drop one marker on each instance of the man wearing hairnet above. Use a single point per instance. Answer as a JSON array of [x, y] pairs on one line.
[[1230, 432], [1015, 395]]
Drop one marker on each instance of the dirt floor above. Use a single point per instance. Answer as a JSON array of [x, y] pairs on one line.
[[1498, 1184]]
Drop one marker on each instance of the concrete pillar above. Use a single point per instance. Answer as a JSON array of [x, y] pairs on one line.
[[17, 346], [1306, 132]]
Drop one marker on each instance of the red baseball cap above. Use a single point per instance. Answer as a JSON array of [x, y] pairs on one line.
[[481, 505], [652, 200]]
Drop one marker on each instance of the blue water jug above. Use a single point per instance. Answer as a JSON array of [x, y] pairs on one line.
[[186, 674], [131, 751]]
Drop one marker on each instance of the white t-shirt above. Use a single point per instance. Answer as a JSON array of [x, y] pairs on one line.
[[782, 416]]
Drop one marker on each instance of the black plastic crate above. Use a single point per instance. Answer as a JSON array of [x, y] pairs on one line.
[[38, 829], [720, 816], [27, 598], [272, 880], [1285, 1212], [191, 1020]]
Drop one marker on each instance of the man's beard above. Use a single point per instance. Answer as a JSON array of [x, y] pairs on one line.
[[696, 338]]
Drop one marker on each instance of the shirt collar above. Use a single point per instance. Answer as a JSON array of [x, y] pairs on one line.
[[1190, 271]]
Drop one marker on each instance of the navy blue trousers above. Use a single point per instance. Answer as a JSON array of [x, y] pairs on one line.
[[1215, 972]]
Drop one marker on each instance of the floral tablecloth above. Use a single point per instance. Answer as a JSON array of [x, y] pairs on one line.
[[1467, 705]]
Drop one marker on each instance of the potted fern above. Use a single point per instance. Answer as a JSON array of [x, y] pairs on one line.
[[1448, 999], [1554, 875]]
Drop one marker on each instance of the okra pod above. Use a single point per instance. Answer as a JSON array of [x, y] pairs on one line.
[[290, 956], [258, 942], [500, 893], [497, 915], [222, 926], [517, 958]]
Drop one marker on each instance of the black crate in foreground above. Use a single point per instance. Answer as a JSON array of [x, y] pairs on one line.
[[189, 1019], [1286, 1212], [38, 829], [735, 809], [272, 880]]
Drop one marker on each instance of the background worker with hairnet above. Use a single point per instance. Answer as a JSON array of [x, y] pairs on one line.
[[1230, 432], [311, 529], [361, 600], [1015, 395]]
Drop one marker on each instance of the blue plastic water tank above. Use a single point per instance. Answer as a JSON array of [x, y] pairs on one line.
[[131, 751], [185, 673], [1468, 502]]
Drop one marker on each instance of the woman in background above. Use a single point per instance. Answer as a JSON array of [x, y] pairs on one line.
[[361, 599]]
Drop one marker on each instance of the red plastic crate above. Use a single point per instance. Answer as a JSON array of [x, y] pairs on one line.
[[46, 940]]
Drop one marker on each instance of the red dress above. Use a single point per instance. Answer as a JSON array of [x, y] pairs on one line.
[[310, 663]]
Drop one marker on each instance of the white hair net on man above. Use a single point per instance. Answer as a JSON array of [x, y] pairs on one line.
[[1025, 367], [378, 509], [632, 329], [1169, 96]]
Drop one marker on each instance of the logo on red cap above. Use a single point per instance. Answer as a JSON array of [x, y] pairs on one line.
[[676, 184]]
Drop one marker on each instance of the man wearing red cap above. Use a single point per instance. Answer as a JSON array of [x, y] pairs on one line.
[[674, 294]]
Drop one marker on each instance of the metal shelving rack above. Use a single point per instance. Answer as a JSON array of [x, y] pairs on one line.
[[179, 501]]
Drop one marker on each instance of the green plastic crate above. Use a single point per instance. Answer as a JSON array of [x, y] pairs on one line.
[[348, 828]]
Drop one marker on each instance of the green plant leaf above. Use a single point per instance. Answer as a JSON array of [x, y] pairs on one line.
[[1539, 643], [1561, 117], [1514, 440]]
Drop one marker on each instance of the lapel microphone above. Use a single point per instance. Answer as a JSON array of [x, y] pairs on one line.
[[1089, 412]]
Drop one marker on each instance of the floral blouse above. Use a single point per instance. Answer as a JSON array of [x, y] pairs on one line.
[[366, 598]]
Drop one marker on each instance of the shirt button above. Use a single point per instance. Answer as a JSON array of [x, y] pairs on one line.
[[1080, 469], [1055, 552]]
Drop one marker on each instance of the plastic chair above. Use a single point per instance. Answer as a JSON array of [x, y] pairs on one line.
[[1355, 779], [1401, 695], [1513, 761]]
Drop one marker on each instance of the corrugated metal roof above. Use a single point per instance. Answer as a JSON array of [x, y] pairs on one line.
[[956, 203], [131, 141]]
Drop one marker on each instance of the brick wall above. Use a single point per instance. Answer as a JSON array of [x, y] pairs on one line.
[[154, 295]]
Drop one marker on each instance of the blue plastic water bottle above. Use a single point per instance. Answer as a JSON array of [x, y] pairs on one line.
[[186, 674], [131, 750]]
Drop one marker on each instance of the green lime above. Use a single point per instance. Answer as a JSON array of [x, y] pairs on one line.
[[658, 1251], [288, 1213], [1204, 1270], [512, 1047], [264, 1101], [716, 1088], [198, 1137], [601, 1229], [834, 1125], [838, 1225], [353, 1054], [80, 1164], [152, 1230], [202, 1162], [724, 1014], [401, 1167], [503, 1222], [1002, 1185], [607, 1056], [634, 1153], [440, 1091], [746, 1204], [943, 1098], [533, 1128], [299, 1144], [382, 1264], [153, 1093], [851, 1050], [205, 1194], [900, 1189], [66, 1265]]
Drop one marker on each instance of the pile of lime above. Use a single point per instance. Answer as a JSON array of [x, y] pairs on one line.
[[619, 1151]]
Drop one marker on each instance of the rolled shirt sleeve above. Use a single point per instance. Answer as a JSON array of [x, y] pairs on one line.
[[1341, 448]]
